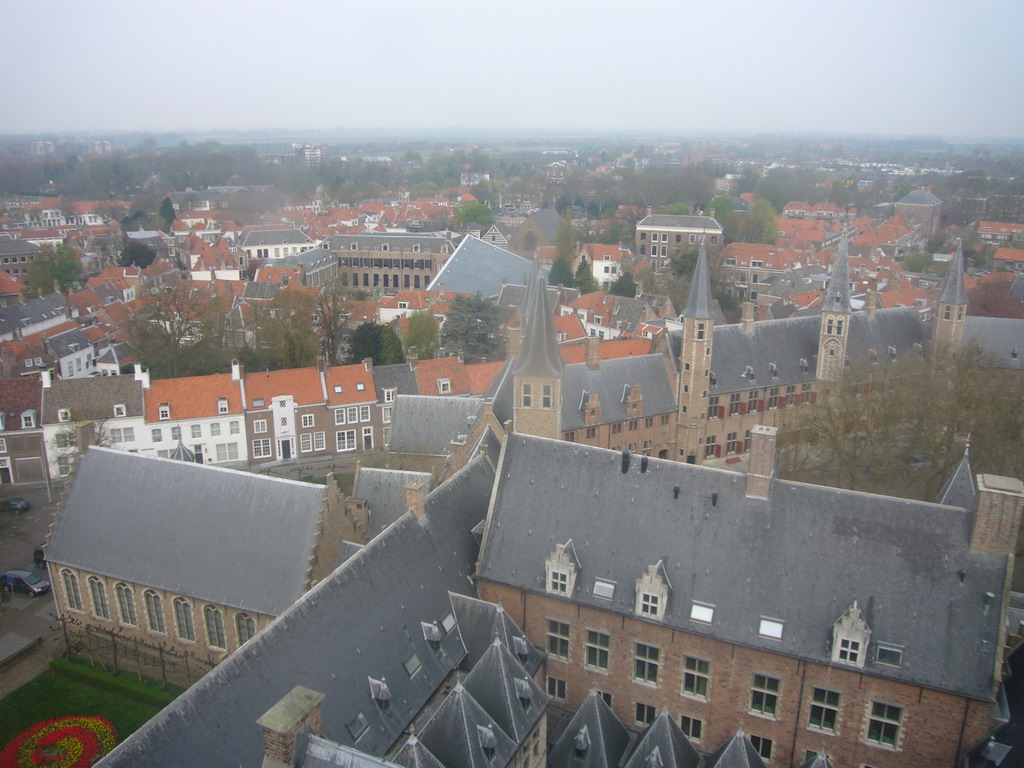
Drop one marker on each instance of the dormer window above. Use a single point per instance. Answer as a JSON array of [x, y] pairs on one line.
[[444, 386], [120, 410], [28, 420], [652, 592], [222, 405], [850, 637], [380, 693], [560, 570], [164, 412], [63, 415]]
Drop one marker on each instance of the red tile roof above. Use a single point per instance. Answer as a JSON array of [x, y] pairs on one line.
[[355, 383], [607, 350], [303, 384], [193, 397]]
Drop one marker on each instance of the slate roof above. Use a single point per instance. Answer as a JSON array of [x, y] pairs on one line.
[[611, 381], [258, 291], [384, 492], [31, 312], [286, 236], [395, 241], [1017, 288], [954, 291], [363, 620], [737, 752], [93, 398], [837, 294], [426, 424], [595, 728], [786, 342], [919, 197], [664, 737], [959, 490], [68, 342], [999, 337], [459, 731], [414, 755], [689, 222], [10, 246], [700, 305], [809, 551], [400, 376], [818, 760], [232, 538], [538, 355], [480, 267], [507, 691], [481, 623]]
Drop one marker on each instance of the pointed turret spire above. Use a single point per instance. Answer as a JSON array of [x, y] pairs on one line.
[[953, 290], [959, 490], [837, 295], [700, 305], [539, 353]]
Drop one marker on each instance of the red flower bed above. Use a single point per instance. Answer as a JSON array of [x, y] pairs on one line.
[[63, 742]]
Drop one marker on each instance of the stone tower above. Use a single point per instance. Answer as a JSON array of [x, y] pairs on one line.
[[951, 309], [695, 364], [537, 372], [835, 318]]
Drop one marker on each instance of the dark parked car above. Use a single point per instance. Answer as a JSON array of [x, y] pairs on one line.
[[16, 504], [25, 581]]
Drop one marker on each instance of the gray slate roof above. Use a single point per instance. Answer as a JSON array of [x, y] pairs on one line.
[[232, 538], [539, 353], [384, 492], [737, 752], [700, 305], [689, 222], [10, 246], [481, 623], [1000, 337], [672, 746], [286, 236], [837, 294], [428, 242], [68, 342], [459, 731], [808, 553], [611, 381], [501, 685], [93, 398], [1017, 288], [595, 728], [399, 376], [954, 291], [426, 424], [31, 312], [919, 197], [363, 620], [959, 490], [818, 760], [480, 267], [261, 291]]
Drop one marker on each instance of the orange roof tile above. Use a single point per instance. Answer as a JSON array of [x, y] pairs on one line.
[[193, 397], [570, 325], [607, 350], [479, 376], [350, 384], [1009, 254], [303, 384]]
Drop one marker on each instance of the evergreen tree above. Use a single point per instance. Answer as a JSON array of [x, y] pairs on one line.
[[624, 286], [565, 246], [561, 272], [471, 330], [585, 280], [167, 213], [136, 254]]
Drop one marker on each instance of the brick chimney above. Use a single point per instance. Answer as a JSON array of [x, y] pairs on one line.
[[416, 498], [593, 354], [283, 721], [762, 461], [997, 514], [412, 355], [236, 370], [368, 363], [872, 307], [748, 316]]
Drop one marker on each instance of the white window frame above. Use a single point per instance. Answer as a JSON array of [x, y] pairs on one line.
[[308, 420], [345, 440], [364, 413], [259, 427], [222, 405], [262, 448]]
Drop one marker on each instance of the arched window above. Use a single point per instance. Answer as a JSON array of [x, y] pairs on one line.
[[74, 597], [246, 626], [155, 612], [100, 609], [183, 618], [126, 605], [215, 627]]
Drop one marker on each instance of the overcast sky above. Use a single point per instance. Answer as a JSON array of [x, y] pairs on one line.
[[874, 66]]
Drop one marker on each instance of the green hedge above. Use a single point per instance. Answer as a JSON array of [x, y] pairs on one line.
[[130, 689]]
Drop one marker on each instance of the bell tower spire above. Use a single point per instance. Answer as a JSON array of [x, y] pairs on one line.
[[537, 372], [835, 317], [695, 364], [952, 307]]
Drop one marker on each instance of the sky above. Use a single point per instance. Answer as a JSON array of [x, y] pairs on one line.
[[887, 67]]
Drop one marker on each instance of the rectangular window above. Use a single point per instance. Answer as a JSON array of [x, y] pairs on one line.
[[645, 667], [386, 413], [259, 426], [559, 582], [591, 433], [649, 604], [884, 724], [164, 412], [346, 440], [764, 695], [222, 405], [558, 639], [824, 709], [702, 613], [233, 428], [770, 628], [545, 398], [762, 746], [157, 435], [527, 396], [352, 414], [731, 443], [849, 650], [412, 664], [319, 441], [306, 442], [215, 429], [555, 687], [227, 451], [617, 428], [888, 654], [597, 649], [307, 420], [261, 449], [791, 395], [773, 397], [691, 727], [713, 407], [645, 714], [604, 588], [364, 413], [734, 403], [339, 417], [197, 431], [696, 676]]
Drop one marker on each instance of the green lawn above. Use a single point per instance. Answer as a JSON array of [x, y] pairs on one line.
[[50, 695]]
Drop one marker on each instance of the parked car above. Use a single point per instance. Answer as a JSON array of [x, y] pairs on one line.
[[25, 581], [17, 504]]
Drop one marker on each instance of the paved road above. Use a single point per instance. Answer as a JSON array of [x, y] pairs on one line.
[[26, 618]]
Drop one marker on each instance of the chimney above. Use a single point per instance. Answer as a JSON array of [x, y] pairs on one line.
[[593, 354], [412, 355], [282, 723], [368, 363], [762, 461], [997, 514], [416, 498], [236, 370], [515, 340], [748, 316], [872, 304], [46, 378], [142, 375]]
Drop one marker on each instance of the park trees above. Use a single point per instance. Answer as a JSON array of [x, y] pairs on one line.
[[137, 254], [762, 226], [422, 335], [58, 267], [376, 341]]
